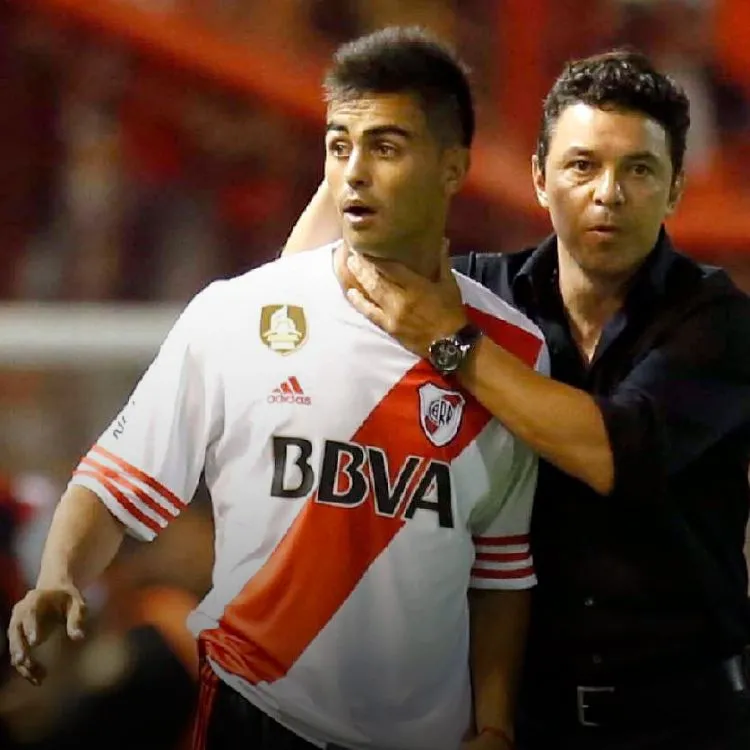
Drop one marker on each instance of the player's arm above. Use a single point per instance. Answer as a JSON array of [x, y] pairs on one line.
[[318, 224], [499, 597], [142, 472], [499, 620], [83, 539]]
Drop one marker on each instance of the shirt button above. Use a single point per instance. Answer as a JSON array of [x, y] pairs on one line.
[[597, 659], [589, 602]]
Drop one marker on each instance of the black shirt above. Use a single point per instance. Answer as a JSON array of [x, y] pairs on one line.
[[619, 591]]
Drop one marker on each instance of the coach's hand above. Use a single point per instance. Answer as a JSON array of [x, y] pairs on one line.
[[411, 308], [35, 618]]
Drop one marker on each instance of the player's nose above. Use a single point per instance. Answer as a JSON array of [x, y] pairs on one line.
[[357, 171]]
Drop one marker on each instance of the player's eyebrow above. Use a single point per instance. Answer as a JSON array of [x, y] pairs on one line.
[[376, 132]]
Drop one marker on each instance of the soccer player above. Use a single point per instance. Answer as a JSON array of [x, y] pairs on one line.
[[359, 494]]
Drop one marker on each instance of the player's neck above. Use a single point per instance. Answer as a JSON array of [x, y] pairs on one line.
[[424, 255], [424, 260]]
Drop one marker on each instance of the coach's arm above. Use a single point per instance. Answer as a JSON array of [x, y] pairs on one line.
[[318, 224]]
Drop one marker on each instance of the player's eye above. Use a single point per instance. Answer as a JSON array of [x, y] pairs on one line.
[[386, 150], [339, 149]]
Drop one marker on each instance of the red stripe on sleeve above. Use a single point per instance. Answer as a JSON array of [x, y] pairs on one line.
[[501, 541], [141, 477], [126, 504], [501, 556], [123, 481], [503, 574]]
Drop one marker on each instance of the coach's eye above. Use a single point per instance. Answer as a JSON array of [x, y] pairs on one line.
[[581, 165], [640, 169]]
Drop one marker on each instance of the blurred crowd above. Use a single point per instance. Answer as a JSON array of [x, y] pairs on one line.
[[131, 682], [128, 177]]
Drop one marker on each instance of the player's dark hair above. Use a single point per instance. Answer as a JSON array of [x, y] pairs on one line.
[[408, 60], [622, 79]]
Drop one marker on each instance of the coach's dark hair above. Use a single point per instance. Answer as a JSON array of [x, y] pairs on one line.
[[622, 79], [409, 60]]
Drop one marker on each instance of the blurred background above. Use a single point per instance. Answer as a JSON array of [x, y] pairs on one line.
[[149, 146]]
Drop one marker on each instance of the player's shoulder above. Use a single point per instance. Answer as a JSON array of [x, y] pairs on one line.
[[488, 304], [287, 273], [289, 269]]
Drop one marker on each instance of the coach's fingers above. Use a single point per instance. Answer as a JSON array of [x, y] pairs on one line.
[[368, 309], [446, 266]]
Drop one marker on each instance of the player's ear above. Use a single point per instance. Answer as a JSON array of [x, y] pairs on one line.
[[540, 181], [456, 163]]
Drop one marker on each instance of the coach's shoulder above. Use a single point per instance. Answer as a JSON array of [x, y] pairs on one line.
[[496, 271]]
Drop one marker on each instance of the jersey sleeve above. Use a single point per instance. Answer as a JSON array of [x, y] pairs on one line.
[[146, 465], [502, 553], [500, 525]]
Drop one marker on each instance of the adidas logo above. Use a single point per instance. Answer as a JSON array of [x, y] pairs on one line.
[[289, 392]]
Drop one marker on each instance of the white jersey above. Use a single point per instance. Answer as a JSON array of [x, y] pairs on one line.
[[357, 495]]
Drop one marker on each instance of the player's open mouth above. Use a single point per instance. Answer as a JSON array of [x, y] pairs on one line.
[[358, 209], [358, 215]]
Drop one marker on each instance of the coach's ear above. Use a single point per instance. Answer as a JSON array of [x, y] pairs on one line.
[[540, 181], [456, 163], [675, 192]]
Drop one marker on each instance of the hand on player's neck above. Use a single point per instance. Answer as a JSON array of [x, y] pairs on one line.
[[345, 276]]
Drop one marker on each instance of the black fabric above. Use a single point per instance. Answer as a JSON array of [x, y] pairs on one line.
[[696, 728], [636, 704], [236, 723], [6, 740], [730, 611]]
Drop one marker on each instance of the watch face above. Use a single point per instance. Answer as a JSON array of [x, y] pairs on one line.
[[445, 355]]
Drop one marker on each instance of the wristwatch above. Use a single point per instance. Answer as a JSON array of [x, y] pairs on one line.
[[448, 354]]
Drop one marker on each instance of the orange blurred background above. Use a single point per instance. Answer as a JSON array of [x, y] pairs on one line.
[[149, 146]]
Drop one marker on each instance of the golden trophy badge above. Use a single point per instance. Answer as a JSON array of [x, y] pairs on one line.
[[283, 328]]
